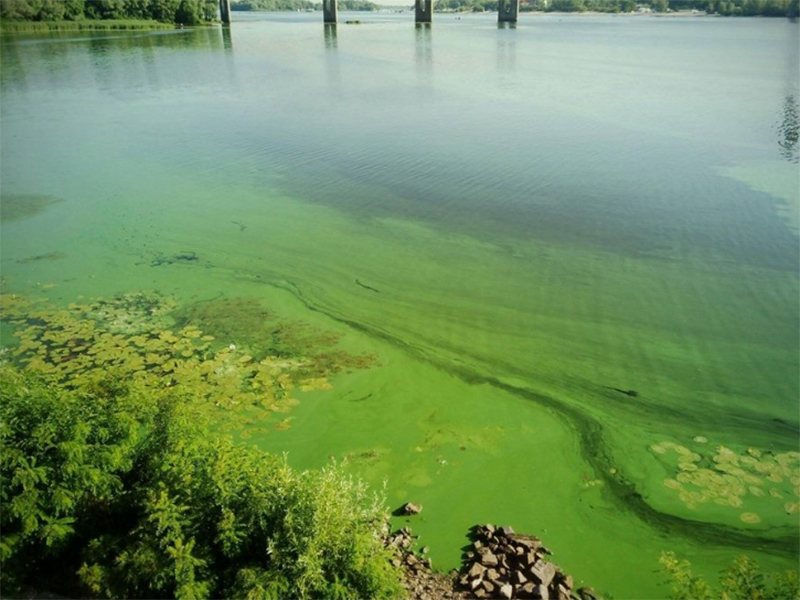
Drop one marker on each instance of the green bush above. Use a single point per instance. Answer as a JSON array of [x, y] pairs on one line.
[[114, 490], [743, 580]]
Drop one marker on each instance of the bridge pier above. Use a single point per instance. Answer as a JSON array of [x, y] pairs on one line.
[[225, 11], [423, 11], [507, 11], [330, 11]]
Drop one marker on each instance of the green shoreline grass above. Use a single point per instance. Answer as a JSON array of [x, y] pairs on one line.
[[83, 25]]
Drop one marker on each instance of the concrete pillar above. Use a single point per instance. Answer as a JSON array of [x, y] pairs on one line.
[[330, 11], [507, 11], [423, 11], [225, 11]]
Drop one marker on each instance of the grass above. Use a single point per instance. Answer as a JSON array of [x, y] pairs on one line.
[[83, 25]]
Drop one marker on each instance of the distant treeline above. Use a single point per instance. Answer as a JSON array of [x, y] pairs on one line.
[[746, 8], [300, 5], [187, 12]]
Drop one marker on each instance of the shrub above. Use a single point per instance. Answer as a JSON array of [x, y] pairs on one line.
[[117, 490]]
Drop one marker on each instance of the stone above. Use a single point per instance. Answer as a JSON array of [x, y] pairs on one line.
[[541, 591], [424, 550], [518, 578], [543, 572], [528, 588], [489, 529], [409, 508], [563, 592], [506, 531], [464, 580], [477, 545], [411, 559], [479, 593], [503, 571], [475, 583], [488, 586], [489, 560], [527, 541], [506, 591], [476, 570], [569, 582], [530, 559], [587, 593], [492, 575]]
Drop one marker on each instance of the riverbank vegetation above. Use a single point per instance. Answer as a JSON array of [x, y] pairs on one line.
[[89, 14], [742, 580], [744, 8], [116, 489], [279, 5]]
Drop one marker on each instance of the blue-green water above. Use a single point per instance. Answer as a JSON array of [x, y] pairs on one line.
[[545, 216]]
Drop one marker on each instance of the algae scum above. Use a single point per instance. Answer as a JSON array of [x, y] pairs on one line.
[[143, 336]]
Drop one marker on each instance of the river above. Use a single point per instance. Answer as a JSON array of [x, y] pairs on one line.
[[571, 246]]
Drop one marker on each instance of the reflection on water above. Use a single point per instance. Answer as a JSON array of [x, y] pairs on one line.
[[227, 39], [789, 130], [331, 40], [423, 51], [506, 56]]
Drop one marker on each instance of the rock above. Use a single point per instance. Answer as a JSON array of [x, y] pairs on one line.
[[424, 550], [488, 586], [489, 529], [411, 559], [506, 591], [492, 575], [569, 582], [587, 593], [476, 570], [477, 545], [518, 578], [541, 591], [475, 583], [409, 508], [530, 559], [463, 581], [479, 593], [528, 588], [527, 541], [543, 572], [489, 560], [506, 531], [563, 592]]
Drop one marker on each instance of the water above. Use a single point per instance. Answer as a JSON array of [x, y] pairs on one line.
[[523, 224]]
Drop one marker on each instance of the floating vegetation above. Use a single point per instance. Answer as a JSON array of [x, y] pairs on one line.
[[180, 257], [725, 477], [38, 257], [137, 335], [749, 517], [14, 207]]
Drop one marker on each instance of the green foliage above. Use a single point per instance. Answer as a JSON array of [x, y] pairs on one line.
[[117, 490], [187, 12], [273, 5], [743, 580]]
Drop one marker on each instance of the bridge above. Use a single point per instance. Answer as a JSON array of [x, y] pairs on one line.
[[507, 11]]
